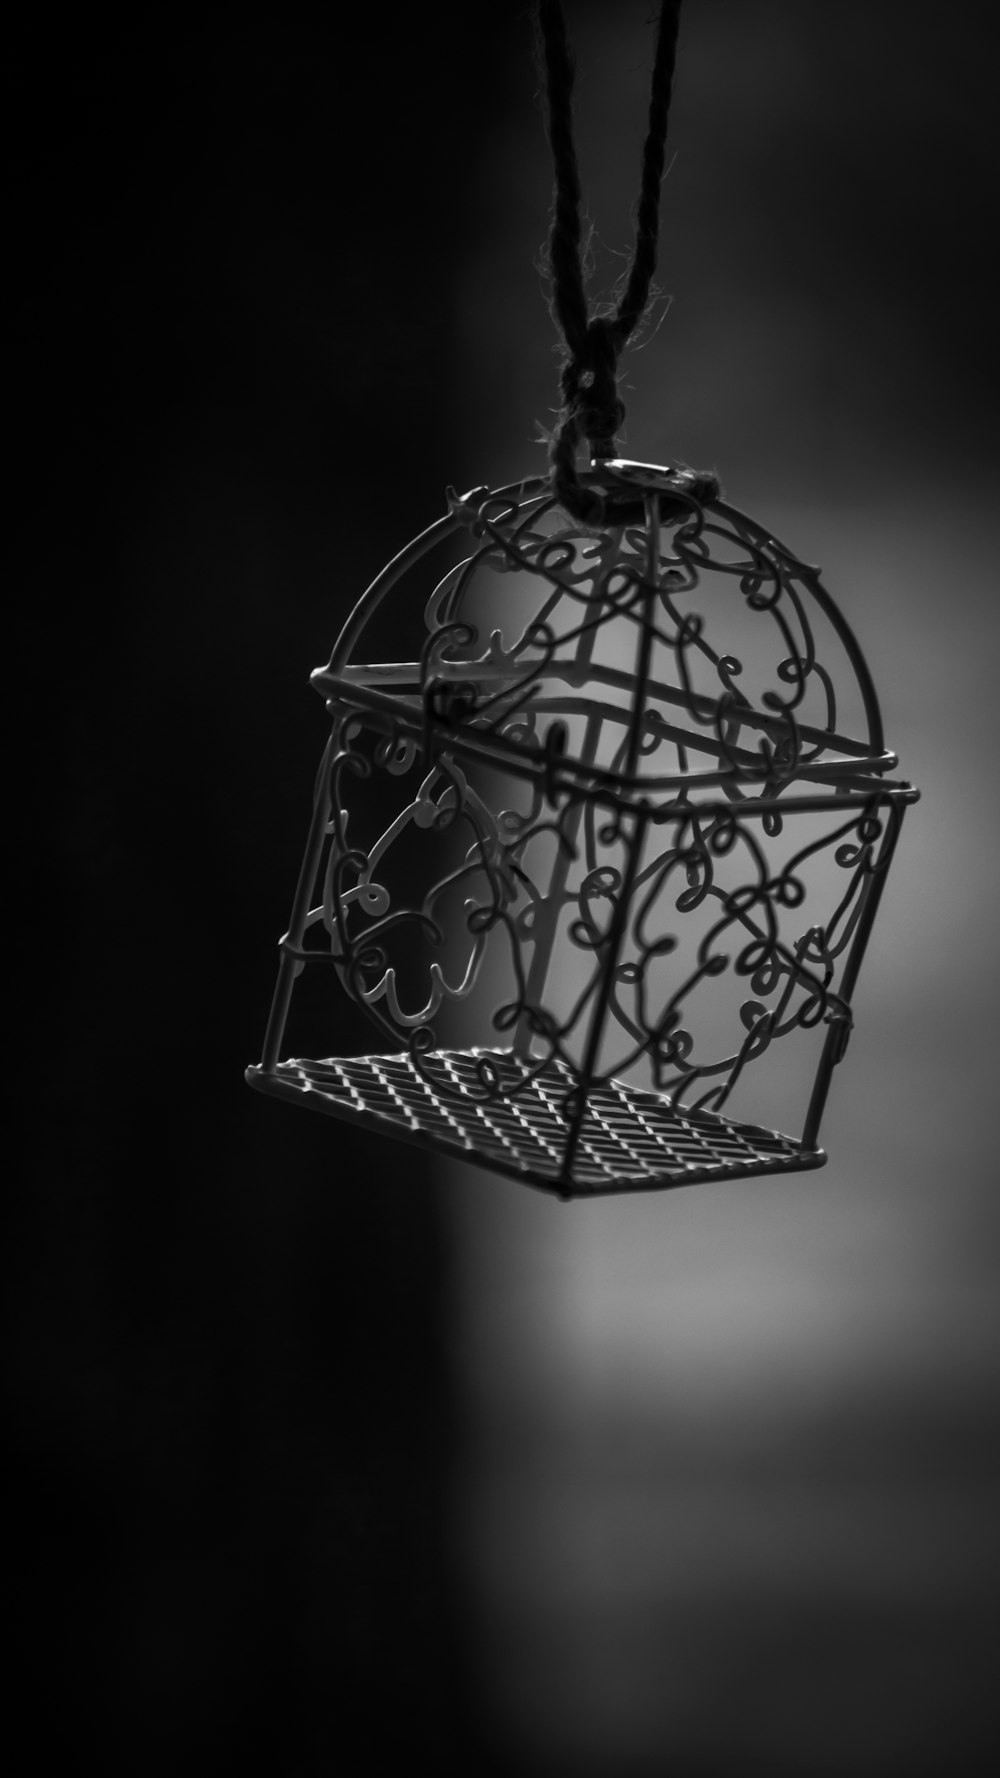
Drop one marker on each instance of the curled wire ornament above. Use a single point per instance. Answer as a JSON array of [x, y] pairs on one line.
[[636, 820]]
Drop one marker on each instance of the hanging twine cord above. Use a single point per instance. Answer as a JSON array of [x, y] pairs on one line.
[[592, 408]]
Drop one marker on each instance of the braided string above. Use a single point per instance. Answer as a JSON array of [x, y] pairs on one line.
[[592, 408]]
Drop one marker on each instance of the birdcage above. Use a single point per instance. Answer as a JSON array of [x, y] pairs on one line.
[[607, 840]]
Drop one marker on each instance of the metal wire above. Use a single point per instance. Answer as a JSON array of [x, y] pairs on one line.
[[578, 809]]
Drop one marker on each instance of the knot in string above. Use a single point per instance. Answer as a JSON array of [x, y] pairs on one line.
[[589, 386], [592, 408]]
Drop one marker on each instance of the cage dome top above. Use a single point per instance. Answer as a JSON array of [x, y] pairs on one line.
[[675, 650]]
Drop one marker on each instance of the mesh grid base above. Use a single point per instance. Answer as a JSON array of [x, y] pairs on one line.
[[631, 1140]]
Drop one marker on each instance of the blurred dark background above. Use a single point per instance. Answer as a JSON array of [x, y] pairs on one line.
[[321, 1461]]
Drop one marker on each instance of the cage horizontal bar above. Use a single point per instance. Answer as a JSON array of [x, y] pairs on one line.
[[849, 782], [484, 671], [356, 693]]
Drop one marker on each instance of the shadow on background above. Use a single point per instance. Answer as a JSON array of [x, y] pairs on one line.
[[322, 1463]]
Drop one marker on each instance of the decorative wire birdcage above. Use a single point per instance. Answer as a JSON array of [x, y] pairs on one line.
[[614, 834]]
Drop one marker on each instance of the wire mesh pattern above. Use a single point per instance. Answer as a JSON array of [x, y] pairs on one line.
[[621, 802], [630, 1140]]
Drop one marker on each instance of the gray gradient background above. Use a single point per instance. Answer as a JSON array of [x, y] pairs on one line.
[[321, 1463], [732, 1490]]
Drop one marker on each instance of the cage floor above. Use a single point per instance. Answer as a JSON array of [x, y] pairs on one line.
[[631, 1139]]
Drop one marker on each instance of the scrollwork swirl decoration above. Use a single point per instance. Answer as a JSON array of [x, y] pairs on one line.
[[624, 815]]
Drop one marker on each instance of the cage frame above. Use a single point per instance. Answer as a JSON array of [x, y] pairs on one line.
[[435, 706]]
